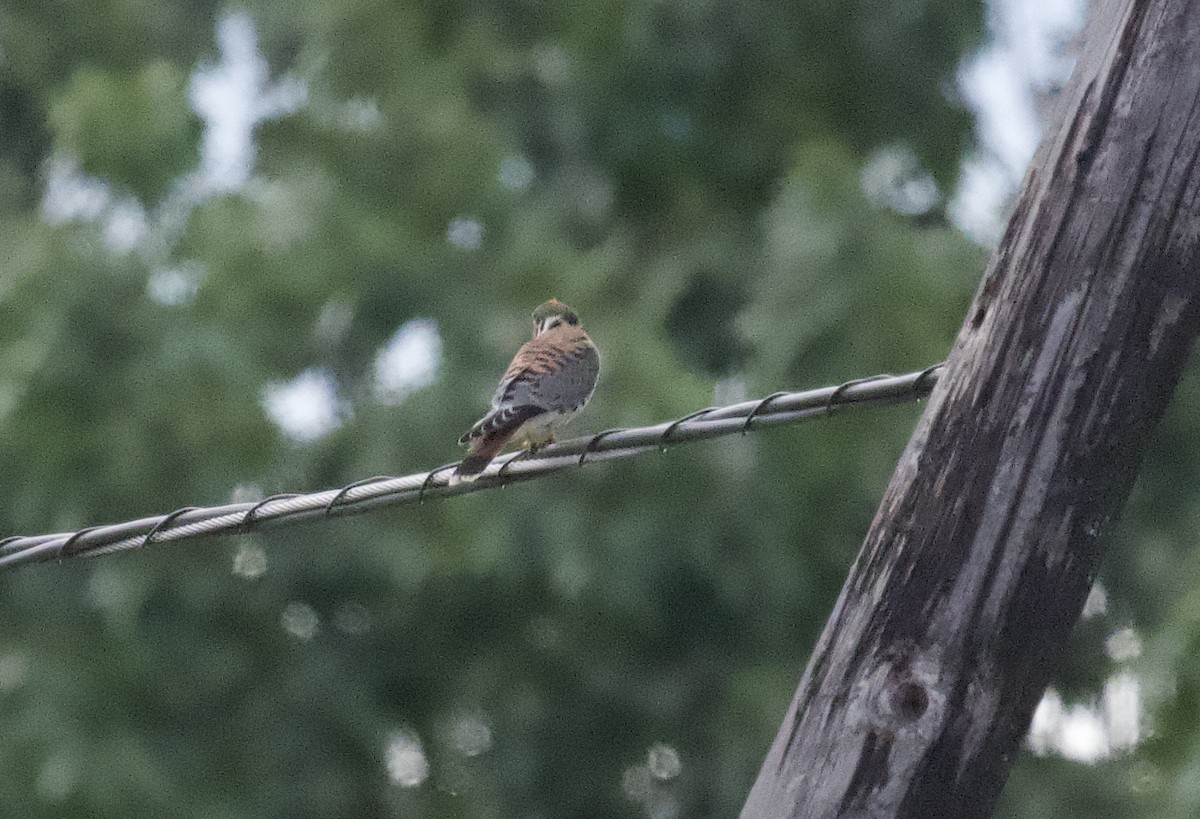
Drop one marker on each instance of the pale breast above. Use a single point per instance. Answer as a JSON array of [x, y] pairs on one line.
[[541, 429]]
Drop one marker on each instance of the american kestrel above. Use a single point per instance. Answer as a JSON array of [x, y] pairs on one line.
[[550, 379]]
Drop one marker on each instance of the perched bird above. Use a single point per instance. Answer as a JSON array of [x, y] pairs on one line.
[[550, 379]]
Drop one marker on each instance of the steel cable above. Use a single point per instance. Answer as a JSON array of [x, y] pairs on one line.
[[237, 518]]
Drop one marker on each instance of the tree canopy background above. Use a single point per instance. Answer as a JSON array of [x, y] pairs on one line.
[[269, 247]]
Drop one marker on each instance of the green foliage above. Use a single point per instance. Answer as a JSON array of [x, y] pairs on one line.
[[687, 177], [135, 129]]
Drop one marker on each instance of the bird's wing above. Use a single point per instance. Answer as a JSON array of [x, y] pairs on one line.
[[499, 421], [554, 371], [557, 369], [490, 439]]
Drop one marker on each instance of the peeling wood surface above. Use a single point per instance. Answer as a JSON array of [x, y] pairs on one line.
[[988, 538]]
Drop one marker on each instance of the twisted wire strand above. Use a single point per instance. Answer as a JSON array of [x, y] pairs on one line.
[[240, 518]]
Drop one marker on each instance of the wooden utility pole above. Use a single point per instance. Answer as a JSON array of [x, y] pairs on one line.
[[987, 541]]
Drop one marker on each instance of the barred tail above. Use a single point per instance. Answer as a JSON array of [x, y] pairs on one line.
[[485, 447], [478, 460]]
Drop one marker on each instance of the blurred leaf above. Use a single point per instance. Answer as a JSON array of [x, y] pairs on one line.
[[134, 128]]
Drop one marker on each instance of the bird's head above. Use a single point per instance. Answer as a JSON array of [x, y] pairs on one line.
[[552, 314]]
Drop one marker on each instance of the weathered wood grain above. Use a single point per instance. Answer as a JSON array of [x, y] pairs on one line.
[[987, 540]]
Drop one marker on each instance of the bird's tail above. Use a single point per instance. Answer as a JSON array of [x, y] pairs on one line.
[[489, 440], [480, 457]]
